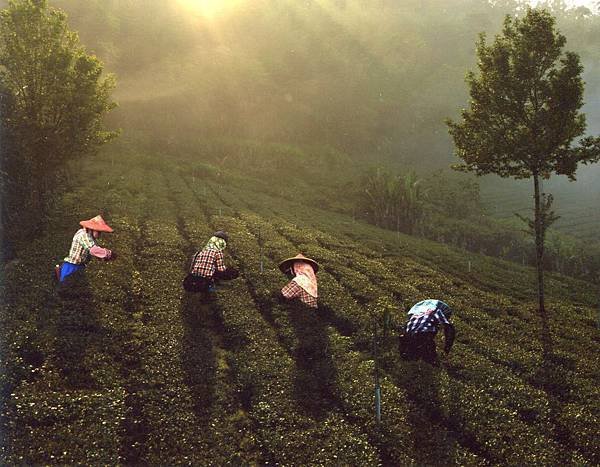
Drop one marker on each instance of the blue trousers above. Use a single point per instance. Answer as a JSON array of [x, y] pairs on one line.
[[66, 269]]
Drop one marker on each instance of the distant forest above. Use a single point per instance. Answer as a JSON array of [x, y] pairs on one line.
[[341, 101], [374, 79]]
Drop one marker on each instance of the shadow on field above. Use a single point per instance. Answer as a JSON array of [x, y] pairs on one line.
[[315, 371], [554, 376], [78, 332], [198, 354], [423, 387], [431, 429], [343, 325]]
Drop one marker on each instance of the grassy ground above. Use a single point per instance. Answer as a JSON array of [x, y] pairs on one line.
[[130, 369]]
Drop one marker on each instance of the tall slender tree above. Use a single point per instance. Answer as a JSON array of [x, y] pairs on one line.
[[524, 119]]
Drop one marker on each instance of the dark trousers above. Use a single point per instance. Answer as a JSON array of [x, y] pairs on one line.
[[226, 275], [208, 283], [419, 346], [203, 284]]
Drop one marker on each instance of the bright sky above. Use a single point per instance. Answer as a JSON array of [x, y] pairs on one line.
[[588, 3], [591, 4], [209, 9]]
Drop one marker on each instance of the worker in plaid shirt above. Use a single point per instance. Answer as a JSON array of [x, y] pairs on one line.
[[84, 246], [303, 284], [425, 317], [208, 264]]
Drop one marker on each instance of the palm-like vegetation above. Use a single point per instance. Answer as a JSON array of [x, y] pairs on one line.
[[393, 201]]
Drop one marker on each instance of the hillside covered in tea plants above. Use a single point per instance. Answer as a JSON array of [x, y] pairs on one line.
[[143, 373]]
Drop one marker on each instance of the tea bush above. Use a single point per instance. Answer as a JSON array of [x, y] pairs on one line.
[[266, 378], [136, 371], [350, 388]]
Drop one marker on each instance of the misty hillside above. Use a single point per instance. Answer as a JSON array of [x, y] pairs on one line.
[[375, 79], [322, 127], [141, 372]]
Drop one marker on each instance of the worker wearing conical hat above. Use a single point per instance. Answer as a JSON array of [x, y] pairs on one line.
[[303, 286], [84, 246]]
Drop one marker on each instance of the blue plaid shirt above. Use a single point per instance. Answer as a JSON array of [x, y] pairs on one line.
[[427, 315]]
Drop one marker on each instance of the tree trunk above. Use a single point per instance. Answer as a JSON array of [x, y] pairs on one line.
[[539, 250], [539, 245]]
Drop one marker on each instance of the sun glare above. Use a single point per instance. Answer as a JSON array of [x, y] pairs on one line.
[[207, 8]]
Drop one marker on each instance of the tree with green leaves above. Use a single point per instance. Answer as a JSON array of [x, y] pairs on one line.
[[524, 119], [55, 97]]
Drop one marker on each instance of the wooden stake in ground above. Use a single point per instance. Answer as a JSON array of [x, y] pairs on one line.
[[377, 384]]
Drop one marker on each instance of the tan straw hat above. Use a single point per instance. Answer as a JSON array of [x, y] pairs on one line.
[[286, 263], [96, 223]]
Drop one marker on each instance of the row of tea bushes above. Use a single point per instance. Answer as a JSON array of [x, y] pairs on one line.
[[104, 383], [70, 406], [139, 372], [490, 333], [495, 333], [348, 317], [265, 373], [176, 400], [326, 382], [496, 355], [531, 404], [349, 385], [539, 408], [487, 273], [502, 448], [497, 319], [301, 332], [211, 348]]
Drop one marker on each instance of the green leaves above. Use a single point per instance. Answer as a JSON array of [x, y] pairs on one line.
[[180, 381], [523, 113], [56, 99], [395, 202]]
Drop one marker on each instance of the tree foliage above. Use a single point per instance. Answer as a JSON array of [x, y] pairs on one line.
[[60, 94], [524, 114], [55, 96]]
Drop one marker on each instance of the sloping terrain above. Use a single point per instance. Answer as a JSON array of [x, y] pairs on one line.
[[133, 370]]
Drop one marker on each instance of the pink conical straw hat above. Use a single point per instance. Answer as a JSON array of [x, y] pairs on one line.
[[286, 263], [96, 223]]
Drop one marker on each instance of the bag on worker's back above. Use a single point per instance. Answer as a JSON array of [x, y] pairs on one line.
[[193, 283], [404, 344]]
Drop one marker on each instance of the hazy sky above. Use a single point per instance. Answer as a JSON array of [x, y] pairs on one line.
[[591, 4], [588, 3]]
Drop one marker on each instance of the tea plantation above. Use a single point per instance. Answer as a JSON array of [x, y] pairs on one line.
[[136, 371]]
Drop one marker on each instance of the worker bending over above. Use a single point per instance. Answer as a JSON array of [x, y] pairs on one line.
[[84, 246], [208, 265], [424, 318], [303, 284]]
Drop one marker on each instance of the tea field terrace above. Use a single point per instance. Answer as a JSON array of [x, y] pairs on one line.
[[141, 372]]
